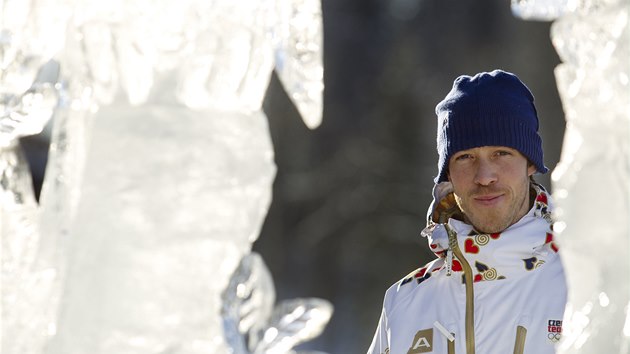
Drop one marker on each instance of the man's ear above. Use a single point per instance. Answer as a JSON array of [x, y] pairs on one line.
[[531, 169]]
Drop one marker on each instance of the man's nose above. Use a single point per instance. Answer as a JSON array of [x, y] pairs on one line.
[[486, 173]]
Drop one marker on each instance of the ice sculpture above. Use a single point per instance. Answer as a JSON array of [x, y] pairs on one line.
[[592, 181], [31, 32], [159, 178], [251, 323]]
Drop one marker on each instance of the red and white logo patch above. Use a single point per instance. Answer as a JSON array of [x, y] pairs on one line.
[[554, 330]]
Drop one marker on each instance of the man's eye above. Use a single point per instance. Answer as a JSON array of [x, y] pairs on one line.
[[463, 157], [503, 153]]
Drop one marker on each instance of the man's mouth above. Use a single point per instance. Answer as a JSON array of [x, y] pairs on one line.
[[488, 200]]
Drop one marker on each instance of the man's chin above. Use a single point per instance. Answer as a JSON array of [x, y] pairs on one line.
[[489, 231], [489, 228]]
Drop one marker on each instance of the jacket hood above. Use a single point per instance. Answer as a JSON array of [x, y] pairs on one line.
[[526, 243], [443, 207]]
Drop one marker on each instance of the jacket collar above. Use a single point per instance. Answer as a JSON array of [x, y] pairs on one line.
[[523, 246]]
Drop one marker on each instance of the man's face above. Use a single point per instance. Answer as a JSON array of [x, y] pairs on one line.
[[491, 186]]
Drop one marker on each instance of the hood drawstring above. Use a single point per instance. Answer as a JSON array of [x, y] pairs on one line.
[[449, 261]]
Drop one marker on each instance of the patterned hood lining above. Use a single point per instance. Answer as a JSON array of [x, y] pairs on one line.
[[523, 246]]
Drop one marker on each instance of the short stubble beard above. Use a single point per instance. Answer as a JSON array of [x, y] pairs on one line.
[[493, 221]]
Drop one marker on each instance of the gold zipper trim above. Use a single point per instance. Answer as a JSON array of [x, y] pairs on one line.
[[519, 345], [470, 296], [450, 345]]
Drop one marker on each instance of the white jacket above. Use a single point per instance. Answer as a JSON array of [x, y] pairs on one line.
[[515, 303]]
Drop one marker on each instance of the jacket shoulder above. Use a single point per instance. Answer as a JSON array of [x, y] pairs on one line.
[[411, 281], [406, 288]]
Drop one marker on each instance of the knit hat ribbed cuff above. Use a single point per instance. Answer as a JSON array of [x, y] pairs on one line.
[[489, 109]]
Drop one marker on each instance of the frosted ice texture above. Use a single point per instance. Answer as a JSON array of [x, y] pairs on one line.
[[170, 202], [592, 181], [299, 57], [539, 9], [248, 313], [31, 32], [159, 174]]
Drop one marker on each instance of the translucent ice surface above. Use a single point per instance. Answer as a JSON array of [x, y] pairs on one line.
[[159, 174], [248, 312], [539, 9], [592, 181], [170, 201]]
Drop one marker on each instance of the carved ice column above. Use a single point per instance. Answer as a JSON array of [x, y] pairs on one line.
[[591, 183], [178, 173], [31, 33], [159, 177]]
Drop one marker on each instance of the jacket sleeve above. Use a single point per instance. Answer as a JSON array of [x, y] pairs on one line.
[[380, 343], [545, 325]]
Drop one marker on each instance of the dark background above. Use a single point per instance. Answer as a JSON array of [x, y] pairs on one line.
[[350, 197]]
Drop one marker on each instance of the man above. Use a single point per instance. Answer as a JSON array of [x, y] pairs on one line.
[[497, 285]]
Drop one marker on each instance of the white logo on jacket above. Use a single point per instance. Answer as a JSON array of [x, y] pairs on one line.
[[422, 342]]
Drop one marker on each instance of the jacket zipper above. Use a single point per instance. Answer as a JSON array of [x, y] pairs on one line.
[[450, 345], [450, 337], [519, 345], [470, 296]]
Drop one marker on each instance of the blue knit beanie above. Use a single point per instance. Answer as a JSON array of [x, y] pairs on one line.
[[488, 109]]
